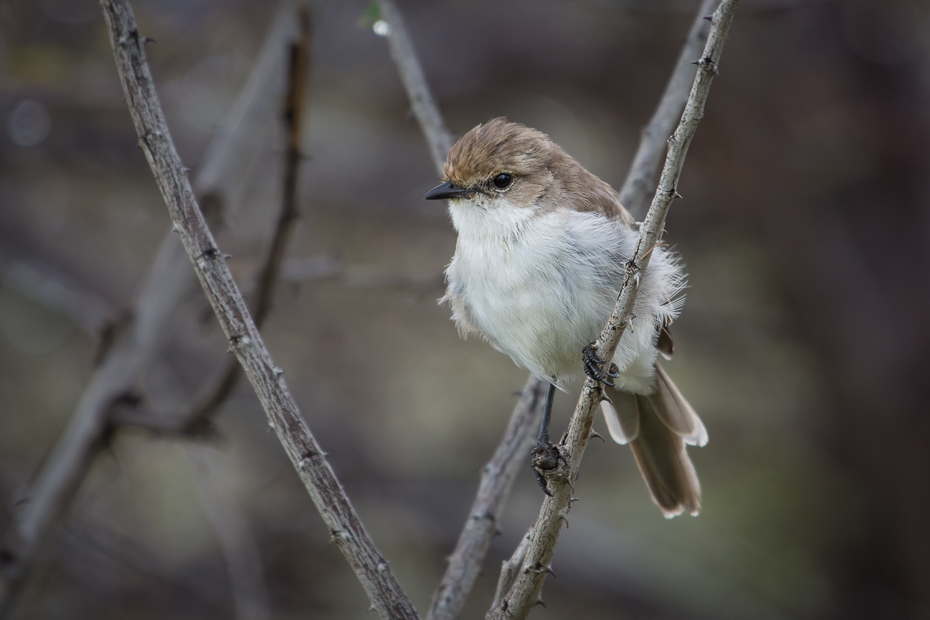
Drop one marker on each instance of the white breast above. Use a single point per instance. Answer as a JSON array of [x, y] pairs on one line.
[[540, 286]]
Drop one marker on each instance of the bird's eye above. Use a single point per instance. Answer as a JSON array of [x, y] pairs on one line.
[[502, 181]]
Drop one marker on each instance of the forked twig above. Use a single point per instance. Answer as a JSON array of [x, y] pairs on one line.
[[525, 592]]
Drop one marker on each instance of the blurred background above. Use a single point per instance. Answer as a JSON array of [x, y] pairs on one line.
[[804, 344]]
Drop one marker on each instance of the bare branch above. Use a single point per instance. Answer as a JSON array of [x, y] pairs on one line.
[[169, 281], [220, 388], [641, 179], [246, 343], [543, 537], [496, 480], [411, 73]]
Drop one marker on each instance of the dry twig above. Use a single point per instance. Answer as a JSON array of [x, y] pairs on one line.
[[221, 387], [525, 593], [169, 281], [246, 343], [411, 73]]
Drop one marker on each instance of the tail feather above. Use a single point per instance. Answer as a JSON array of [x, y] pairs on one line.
[[657, 427], [664, 463]]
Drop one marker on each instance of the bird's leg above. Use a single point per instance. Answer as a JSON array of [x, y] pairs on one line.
[[592, 366], [545, 456]]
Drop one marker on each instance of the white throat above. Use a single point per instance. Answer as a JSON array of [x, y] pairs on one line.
[[489, 221]]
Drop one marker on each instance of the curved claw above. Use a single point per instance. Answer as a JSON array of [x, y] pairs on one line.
[[592, 365]]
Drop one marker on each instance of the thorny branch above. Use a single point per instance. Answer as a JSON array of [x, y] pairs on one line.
[[465, 562], [167, 284], [525, 593], [246, 343], [198, 419]]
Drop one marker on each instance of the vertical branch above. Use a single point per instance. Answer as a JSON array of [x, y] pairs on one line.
[[246, 343], [543, 537]]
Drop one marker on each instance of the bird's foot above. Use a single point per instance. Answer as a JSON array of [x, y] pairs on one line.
[[593, 364], [545, 458]]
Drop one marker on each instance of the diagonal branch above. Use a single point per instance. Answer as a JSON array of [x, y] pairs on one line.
[[219, 389], [411, 73], [525, 592], [167, 284], [348, 533]]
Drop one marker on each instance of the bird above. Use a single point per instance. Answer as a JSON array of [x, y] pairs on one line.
[[542, 247]]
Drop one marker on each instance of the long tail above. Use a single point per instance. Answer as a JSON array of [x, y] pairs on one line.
[[657, 427]]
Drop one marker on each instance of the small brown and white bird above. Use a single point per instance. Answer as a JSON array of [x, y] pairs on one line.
[[541, 253]]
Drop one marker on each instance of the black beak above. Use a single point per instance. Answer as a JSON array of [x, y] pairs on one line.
[[446, 190]]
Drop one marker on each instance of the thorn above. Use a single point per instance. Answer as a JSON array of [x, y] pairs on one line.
[[709, 18], [498, 532], [133, 34], [209, 254], [237, 340], [549, 570], [572, 500], [539, 601], [277, 372], [176, 228], [148, 40], [594, 433]]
